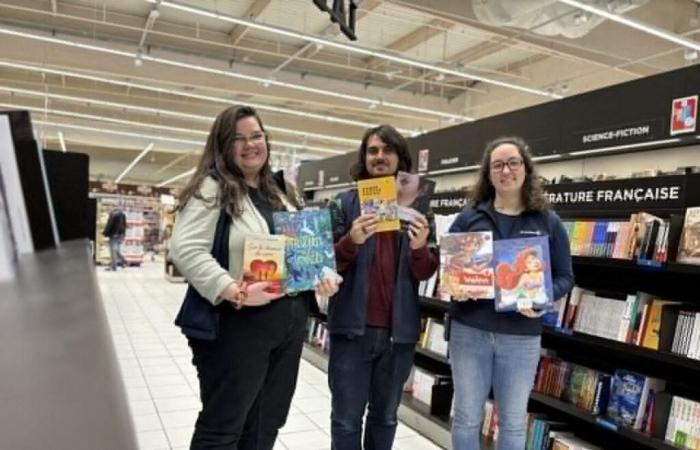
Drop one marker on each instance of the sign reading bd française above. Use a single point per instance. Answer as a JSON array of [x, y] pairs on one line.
[[628, 194]]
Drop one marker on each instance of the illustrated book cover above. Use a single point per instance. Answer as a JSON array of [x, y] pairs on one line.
[[263, 260], [689, 251], [309, 250], [523, 275], [413, 195], [378, 196], [466, 265]]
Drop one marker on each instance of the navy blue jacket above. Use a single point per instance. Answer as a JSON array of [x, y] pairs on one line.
[[481, 314], [347, 310]]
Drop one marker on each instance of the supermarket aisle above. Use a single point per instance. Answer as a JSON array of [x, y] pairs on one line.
[[162, 384]]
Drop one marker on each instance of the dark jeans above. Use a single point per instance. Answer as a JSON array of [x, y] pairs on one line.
[[366, 370], [248, 375]]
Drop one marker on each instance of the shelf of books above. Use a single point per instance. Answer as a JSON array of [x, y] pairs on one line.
[[622, 351]]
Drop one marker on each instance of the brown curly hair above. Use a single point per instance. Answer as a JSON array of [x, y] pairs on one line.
[[217, 162], [532, 194]]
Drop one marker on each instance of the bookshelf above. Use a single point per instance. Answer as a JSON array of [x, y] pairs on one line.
[[670, 280]]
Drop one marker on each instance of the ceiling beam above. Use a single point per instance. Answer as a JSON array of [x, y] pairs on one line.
[[505, 36], [413, 39], [253, 12]]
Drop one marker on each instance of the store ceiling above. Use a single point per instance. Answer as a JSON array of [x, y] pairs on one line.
[[114, 76]]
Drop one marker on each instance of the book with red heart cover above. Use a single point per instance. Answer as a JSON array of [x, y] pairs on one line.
[[263, 260]]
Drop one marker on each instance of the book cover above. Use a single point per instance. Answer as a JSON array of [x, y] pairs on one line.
[[627, 396], [378, 196], [689, 249], [650, 339], [413, 194], [263, 260], [523, 275], [466, 265], [309, 250]]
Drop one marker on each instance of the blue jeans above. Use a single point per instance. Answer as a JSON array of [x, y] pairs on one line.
[[481, 360], [364, 370], [115, 253]]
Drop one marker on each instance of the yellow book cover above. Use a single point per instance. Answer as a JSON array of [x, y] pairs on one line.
[[378, 196], [651, 333], [263, 260], [579, 234]]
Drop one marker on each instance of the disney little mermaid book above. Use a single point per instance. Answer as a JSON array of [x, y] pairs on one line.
[[523, 274], [263, 260], [309, 251]]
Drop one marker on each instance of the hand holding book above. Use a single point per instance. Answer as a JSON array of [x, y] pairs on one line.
[[363, 228], [258, 293], [418, 232]]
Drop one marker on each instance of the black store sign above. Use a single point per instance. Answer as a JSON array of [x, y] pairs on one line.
[[631, 194], [621, 134], [448, 202]]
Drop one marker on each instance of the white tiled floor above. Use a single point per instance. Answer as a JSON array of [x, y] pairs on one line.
[[162, 385]]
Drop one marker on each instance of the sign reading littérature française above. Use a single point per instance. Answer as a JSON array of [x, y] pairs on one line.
[[634, 193]]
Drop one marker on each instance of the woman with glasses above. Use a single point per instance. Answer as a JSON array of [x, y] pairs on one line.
[[500, 351], [246, 340]]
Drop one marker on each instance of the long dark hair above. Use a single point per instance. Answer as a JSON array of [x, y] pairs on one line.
[[393, 139], [217, 162], [532, 194]]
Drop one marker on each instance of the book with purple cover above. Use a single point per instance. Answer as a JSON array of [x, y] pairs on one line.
[[523, 274]]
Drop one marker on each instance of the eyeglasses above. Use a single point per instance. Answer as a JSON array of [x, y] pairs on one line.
[[513, 164], [254, 138]]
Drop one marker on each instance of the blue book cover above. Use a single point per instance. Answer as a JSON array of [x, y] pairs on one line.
[[626, 397], [309, 251], [523, 274]]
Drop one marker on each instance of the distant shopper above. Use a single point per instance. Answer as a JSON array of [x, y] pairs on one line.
[[246, 341], [499, 350], [115, 230]]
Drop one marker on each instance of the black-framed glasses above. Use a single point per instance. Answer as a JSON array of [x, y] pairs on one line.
[[512, 163], [255, 138]]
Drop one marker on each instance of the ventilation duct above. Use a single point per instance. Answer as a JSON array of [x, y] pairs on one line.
[[548, 17]]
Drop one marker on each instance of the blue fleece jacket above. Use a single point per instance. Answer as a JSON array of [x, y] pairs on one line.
[[480, 314]]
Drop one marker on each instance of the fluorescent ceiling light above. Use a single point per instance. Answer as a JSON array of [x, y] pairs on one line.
[[622, 147], [153, 110], [350, 48], [134, 162], [226, 101], [224, 73], [546, 157], [199, 144], [453, 169], [142, 108], [177, 177], [62, 142], [632, 23]]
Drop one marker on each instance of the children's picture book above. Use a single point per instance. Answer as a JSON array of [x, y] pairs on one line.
[[309, 250], [466, 265], [413, 195], [378, 196], [263, 260], [523, 274], [689, 249]]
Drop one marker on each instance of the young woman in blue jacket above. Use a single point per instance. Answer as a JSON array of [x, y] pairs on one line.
[[497, 350]]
